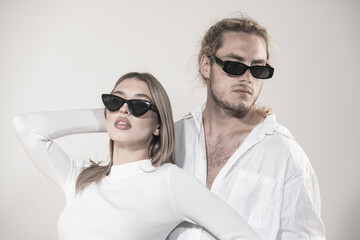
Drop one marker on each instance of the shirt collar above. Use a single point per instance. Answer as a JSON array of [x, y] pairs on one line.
[[267, 127], [196, 114]]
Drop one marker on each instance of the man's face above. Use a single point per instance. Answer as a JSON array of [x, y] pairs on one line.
[[235, 93]]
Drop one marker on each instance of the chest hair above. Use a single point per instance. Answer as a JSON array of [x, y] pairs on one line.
[[219, 151]]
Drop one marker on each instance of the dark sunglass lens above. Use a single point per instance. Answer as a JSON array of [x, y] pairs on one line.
[[235, 68], [139, 107], [262, 72], [259, 72], [112, 103]]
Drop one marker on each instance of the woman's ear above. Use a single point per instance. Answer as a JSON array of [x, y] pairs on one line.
[[156, 132]]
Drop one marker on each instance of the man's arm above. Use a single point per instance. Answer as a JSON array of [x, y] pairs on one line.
[[301, 201]]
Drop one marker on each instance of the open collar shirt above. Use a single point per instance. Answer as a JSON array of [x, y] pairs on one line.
[[269, 180]]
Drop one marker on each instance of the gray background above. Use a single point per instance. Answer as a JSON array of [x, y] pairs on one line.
[[57, 55]]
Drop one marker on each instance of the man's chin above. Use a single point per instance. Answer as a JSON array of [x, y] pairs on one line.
[[237, 109]]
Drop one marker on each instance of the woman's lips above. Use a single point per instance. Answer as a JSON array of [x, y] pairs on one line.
[[122, 123]]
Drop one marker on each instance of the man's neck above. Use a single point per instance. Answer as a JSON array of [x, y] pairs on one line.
[[219, 122]]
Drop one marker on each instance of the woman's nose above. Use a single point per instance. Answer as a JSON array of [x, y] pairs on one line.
[[124, 109]]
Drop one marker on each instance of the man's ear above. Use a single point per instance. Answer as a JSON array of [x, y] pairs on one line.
[[156, 132], [205, 66]]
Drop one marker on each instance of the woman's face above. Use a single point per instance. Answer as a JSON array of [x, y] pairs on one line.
[[123, 128]]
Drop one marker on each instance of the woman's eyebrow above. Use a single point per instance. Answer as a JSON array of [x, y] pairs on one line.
[[136, 95], [119, 92], [143, 95]]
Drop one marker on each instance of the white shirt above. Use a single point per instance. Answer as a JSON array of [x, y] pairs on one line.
[[136, 201], [268, 180]]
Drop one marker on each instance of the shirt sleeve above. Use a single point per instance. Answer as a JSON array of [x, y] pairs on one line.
[[36, 132], [194, 203], [301, 200]]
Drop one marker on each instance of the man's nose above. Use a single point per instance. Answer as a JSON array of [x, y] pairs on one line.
[[246, 77]]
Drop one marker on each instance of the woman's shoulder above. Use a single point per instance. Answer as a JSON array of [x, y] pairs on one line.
[[163, 168], [173, 171], [169, 167]]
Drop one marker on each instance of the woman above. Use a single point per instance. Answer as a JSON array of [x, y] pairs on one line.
[[137, 195]]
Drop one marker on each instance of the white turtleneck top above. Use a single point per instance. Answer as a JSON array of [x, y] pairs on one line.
[[136, 201]]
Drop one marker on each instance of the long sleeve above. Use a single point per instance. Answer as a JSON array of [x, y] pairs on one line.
[[194, 203], [300, 218], [36, 132]]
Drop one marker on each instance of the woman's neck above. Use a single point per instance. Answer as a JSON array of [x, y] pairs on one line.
[[125, 155]]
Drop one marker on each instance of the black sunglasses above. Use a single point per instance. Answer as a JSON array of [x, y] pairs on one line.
[[137, 107], [238, 68]]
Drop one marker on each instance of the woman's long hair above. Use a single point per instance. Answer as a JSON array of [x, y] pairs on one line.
[[161, 148]]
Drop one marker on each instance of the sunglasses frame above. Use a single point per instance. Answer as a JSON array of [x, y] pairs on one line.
[[129, 102], [224, 65]]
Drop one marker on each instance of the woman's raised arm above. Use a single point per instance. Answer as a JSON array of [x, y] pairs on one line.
[[36, 132]]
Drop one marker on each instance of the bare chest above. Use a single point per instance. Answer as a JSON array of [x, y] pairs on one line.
[[218, 152]]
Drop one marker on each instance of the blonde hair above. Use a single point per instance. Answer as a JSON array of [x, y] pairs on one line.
[[264, 111], [161, 148]]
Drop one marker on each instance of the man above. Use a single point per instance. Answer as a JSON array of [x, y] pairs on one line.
[[238, 150]]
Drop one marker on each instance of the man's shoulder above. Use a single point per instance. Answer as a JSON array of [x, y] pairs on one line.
[[274, 129], [282, 140], [183, 122], [192, 119], [278, 136]]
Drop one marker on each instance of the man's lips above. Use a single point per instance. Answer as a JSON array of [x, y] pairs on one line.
[[243, 90], [122, 123]]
